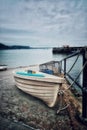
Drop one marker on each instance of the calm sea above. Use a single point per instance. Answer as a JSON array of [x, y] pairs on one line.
[[16, 58]]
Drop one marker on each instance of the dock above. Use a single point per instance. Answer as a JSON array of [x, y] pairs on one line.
[[67, 49], [19, 110]]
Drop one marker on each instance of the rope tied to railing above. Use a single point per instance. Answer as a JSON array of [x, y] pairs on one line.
[[61, 96], [62, 92]]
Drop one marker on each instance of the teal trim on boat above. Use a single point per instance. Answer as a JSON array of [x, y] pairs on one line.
[[30, 74]]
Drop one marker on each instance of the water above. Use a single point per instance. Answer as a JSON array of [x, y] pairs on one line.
[[16, 58], [75, 71]]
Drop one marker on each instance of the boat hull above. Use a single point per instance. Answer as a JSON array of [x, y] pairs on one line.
[[45, 89]]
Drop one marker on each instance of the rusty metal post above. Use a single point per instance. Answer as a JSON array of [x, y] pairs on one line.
[[83, 116], [59, 67], [64, 67], [84, 90]]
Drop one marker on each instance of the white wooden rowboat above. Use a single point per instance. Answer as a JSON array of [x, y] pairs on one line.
[[40, 85]]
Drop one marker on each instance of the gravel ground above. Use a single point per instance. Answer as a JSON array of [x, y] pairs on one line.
[[19, 107]]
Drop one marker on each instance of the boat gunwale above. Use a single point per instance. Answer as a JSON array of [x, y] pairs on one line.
[[49, 79]]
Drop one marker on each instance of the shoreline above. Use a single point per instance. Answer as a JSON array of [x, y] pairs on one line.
[[19, 107]]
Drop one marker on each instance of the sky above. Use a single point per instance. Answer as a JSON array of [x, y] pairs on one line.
[[51, 23]]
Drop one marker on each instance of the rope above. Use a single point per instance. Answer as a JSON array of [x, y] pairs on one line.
[[77, 76], [61, 92], [73, 64], [58, 111]]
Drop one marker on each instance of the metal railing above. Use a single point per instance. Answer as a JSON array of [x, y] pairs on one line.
[[61, 67], [63, 63], [82, 52]]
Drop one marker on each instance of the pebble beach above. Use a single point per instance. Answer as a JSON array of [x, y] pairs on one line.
[[19, 110]]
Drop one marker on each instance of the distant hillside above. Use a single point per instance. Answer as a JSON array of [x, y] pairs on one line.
[[4, 47]]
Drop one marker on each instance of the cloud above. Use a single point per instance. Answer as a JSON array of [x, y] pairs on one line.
[[43, 20]]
